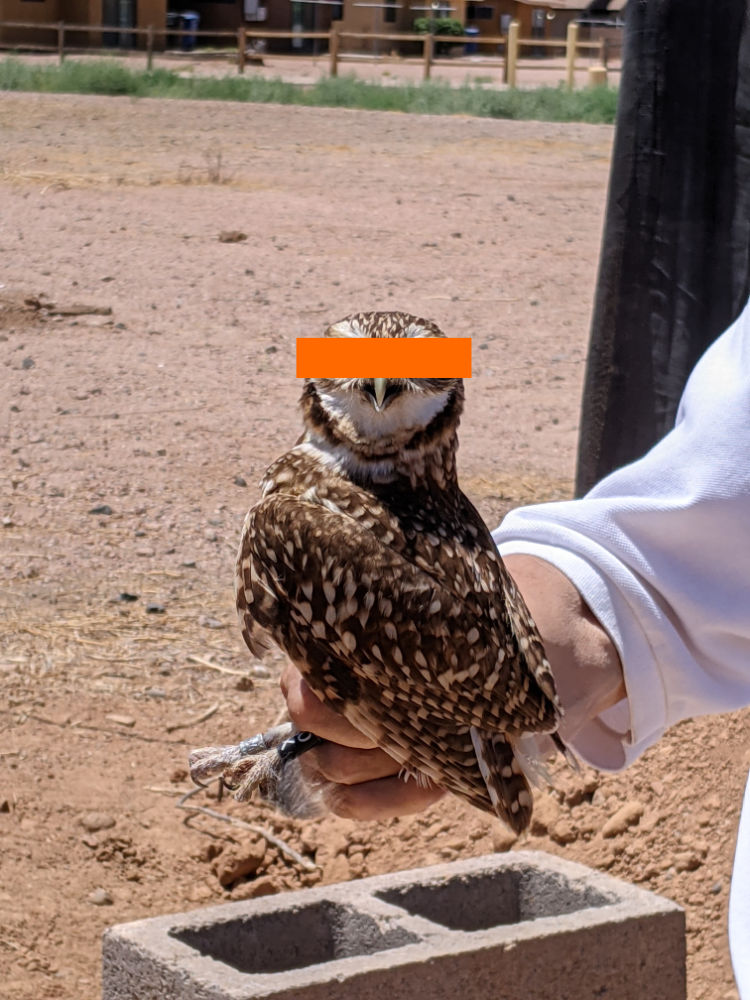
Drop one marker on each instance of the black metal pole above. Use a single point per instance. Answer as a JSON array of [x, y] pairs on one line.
[[675, 260]]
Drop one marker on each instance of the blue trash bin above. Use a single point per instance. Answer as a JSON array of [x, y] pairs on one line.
[[471, 48], [189, 22]]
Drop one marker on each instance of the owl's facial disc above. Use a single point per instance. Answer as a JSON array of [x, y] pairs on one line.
[[381, 408], [372, 409]]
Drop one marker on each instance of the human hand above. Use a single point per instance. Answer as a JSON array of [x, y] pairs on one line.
[[357, 779]]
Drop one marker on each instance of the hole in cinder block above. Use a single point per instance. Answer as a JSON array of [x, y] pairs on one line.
[[491, 899], [293, 939], [549, 894], [463, 903]]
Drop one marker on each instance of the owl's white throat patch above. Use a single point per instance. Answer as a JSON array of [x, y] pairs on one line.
[[344, 461], [407, 412]]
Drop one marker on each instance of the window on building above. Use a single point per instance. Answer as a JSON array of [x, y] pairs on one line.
[[479, 12]]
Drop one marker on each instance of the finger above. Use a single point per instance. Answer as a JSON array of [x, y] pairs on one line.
[[308, 712], [381, 799], [348, 765]]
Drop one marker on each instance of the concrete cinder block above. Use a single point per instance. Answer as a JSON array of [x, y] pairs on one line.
[[519, 926]]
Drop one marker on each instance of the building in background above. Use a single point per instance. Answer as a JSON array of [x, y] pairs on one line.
[[548, 21]]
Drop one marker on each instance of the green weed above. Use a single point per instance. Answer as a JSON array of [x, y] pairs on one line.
[[596, 105]]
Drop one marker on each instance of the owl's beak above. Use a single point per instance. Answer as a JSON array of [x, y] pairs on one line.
[[379, 386]]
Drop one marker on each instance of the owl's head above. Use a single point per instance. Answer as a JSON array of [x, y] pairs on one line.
[[372, 409]]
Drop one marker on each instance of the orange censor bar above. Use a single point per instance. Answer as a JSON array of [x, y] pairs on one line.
[[384, 357]]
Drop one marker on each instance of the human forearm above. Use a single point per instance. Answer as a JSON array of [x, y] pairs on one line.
[[585, 663]]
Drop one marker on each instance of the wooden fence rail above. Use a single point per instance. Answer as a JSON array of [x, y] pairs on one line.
[[511, 45]]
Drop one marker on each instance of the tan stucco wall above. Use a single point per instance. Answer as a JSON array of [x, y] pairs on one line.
[[214, 16], [154, 13], [81, 12], [35, 12], [151, 12], [373, 20]]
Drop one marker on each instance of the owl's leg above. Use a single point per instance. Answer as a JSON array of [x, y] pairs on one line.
[[267, 763]]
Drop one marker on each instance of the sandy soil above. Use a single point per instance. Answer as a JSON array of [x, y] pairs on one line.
[[132, 441]]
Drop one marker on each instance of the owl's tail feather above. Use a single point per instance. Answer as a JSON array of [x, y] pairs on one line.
[[267, 763], [507, 787]]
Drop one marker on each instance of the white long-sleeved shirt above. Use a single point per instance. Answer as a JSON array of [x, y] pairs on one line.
[[660, 551]]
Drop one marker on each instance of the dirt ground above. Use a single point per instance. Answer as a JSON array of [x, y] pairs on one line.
[[158, 261]]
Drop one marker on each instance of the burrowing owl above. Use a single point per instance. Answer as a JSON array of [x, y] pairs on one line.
[[373, 572]]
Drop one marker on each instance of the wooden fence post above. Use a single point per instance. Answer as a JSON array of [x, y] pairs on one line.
[[149, 47], [511, 53], [60, 41], [241, 48], [428, 47], [333, 51], [571, 46]]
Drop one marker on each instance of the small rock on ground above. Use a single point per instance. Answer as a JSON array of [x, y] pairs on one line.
[[625, 817], [94, 821], [100, 897]]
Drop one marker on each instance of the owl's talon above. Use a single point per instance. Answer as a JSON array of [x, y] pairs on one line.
[[208, 762], [267, 764], [251, 773]]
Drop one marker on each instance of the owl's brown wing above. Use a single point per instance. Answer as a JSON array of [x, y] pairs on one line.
[[455, 548], [443, 535], [423, 673]]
